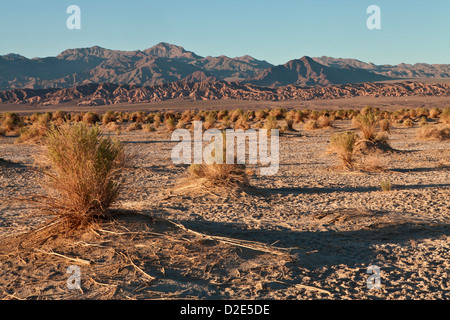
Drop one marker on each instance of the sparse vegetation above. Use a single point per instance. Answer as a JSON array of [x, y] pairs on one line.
[[83, 173], [385, 185], [434, 132], [367, 122], [343, 144]]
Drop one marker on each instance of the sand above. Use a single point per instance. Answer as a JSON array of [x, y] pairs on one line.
[[309, 232]]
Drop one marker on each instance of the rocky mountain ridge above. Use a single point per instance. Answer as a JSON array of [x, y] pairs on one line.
[[109, 94]]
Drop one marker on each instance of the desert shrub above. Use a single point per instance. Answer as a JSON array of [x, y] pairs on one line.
[[385, 185], [421, 112], [314, 115], [445, 116], [10, 122], [226, 122], [342, 143], [408, 123], [220, 174], [278, 113], [108, 116], [36, 132], [270, 123], [77, 117], [434, 113], [150, 128], [221, 114], [210, 120], [84, 173], [289, 119], [324, 121], [134, 126], [385, 125], [260, 115], [367, 123], [138, 116], [311, 125], [60, 116], [242, 123], [434, 132], [235, 114], [90, 118], [423, 121], [112, 126], [170, 124], [298, 116]]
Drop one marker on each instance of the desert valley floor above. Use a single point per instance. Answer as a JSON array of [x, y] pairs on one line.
[[309, 232]]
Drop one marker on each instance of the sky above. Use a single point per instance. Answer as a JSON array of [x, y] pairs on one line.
[[276, 31]]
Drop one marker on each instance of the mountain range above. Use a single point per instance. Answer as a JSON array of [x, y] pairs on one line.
[[167, 63]]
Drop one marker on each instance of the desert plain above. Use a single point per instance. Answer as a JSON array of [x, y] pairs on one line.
[[309, 232]]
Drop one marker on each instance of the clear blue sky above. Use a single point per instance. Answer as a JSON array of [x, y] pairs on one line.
[[277, 30]]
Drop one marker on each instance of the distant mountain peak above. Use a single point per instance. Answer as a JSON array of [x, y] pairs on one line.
[[166, 62], [168, 50]]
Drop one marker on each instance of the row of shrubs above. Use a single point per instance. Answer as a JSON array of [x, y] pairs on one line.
[[29, 126]]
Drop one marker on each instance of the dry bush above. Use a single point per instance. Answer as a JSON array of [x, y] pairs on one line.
[[83, 174], [408, 123], [60, 117], [434, 132], [385, 185], [36, 132], [149, 127], [235, 114], [10, 123], [242, 123], [260, 115], [324, 121], [170, 124], [112, 126], [311, 125], [226, 122], [90, 118], [210, 121], [270, 123], [367, 123], [138, 116], [221, 114], [219, 175], [445, 116], [342, 143], [134, 126], [278, 113], [385, 125], [108, 116], [421, 112], [434, 113], [290, 120], [423, 121], [298, 116]]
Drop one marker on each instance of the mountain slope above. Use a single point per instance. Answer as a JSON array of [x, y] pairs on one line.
[[307, 72], [159, 64], [402, 70]]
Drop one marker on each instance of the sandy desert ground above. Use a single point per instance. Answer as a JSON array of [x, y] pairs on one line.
[[308, 232]]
